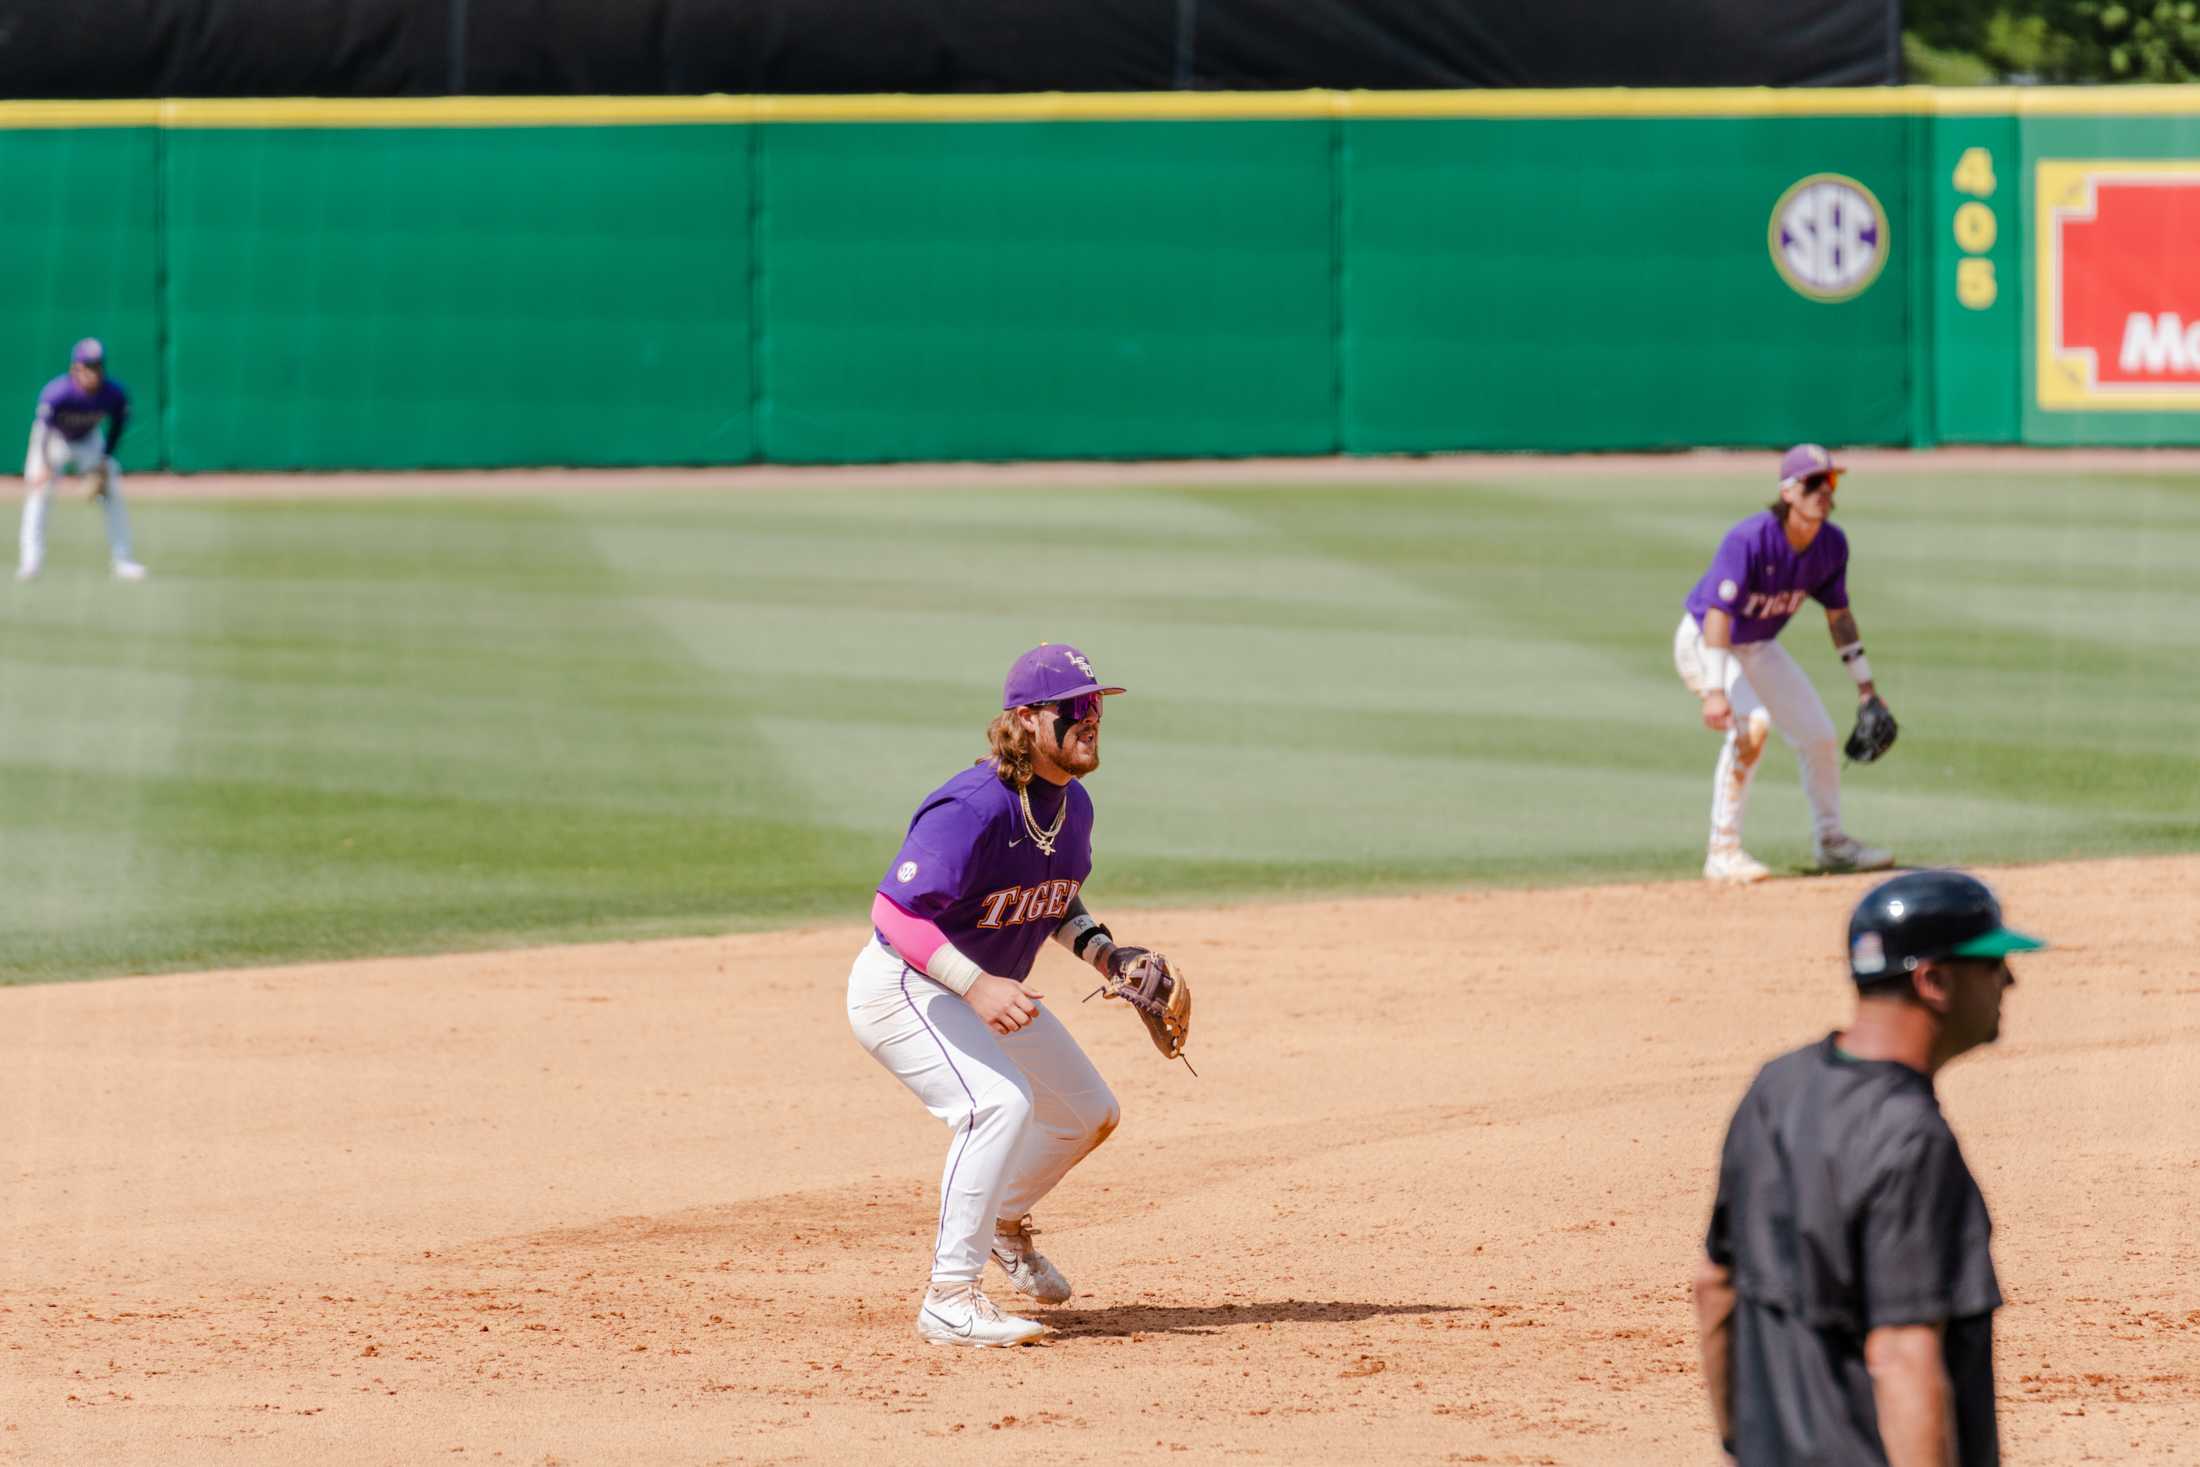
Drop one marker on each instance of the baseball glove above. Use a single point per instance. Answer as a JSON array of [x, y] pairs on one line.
[[1163, 1000], [1874, 732]]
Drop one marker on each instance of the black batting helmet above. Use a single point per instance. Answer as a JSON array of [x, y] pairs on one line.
[[1922, 915]]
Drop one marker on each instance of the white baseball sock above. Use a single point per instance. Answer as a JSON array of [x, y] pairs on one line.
[[33, 548], [1730, 792]]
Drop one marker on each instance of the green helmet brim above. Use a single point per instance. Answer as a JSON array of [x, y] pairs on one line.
[[1999, 943]]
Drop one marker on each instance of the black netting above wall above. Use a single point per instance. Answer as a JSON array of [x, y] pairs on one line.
[[365, 48]]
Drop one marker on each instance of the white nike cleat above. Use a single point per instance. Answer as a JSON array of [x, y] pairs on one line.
[[960, 1314], [1838, 852], [129, 570], [1735, 867], [27, 571], [1027, 1268]]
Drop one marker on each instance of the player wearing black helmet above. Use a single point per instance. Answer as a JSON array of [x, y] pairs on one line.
[[1847, 1294]]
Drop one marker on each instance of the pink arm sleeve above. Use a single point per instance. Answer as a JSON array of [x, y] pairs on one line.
[[915, 938]]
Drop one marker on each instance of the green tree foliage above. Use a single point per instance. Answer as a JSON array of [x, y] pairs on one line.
[[2053, 40]]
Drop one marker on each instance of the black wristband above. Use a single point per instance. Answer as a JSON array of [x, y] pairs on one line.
[[1097, 929]]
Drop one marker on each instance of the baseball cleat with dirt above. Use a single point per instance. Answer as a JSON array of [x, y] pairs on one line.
[[1027, 1268], [1735, 867], [1838, 852], [962, 1315]]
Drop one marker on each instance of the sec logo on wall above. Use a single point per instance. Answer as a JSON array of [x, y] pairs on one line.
[[1828, 237], [2118, 289]]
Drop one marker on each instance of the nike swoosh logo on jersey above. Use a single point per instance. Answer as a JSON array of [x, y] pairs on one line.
[[1014, 843], [963, 1329]]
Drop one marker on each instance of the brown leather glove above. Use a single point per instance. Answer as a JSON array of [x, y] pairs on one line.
[[1163, 1000]]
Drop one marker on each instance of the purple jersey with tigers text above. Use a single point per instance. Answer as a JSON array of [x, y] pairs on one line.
[[1760, 580], [970, 864], [67, 407]]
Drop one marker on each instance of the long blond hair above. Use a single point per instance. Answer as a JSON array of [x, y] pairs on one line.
[[1011, 745]]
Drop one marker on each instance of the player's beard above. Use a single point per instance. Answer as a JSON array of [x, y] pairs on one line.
[[1076, 757]]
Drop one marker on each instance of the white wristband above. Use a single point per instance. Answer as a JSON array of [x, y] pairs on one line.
[[1714, 662], [1852, 657], [951, 970]]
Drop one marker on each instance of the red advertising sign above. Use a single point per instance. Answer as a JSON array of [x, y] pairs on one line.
[[2119, 285]]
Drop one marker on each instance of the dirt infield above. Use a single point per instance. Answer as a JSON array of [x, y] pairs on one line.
[[1435, 1199], [1441, 468]]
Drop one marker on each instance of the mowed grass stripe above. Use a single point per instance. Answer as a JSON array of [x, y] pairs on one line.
[[341, 728], [299, 804]]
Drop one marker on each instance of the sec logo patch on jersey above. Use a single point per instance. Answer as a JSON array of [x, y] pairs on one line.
[[906, 872]]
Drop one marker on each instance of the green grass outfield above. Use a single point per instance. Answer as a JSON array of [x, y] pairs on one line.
[[341, 727]]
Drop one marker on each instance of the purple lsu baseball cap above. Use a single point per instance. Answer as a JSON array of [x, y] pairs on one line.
[[1805, 459], [1049, 673], [88, 353]]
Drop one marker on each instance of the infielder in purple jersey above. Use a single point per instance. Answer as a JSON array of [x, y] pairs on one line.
[[1726, 653], [81, 415], [992, 867]]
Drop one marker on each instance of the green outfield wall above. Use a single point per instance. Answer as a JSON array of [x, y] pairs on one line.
[[401, 298], [1046, 290], [478, 282], [80, 255], [1606, 283]]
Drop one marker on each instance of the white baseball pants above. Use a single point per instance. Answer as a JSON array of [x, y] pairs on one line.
[[50, 455], [1022, 1108], [1765, 684]]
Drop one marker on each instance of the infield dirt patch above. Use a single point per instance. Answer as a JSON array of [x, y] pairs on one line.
[[1246, 473], [1435, 1199]]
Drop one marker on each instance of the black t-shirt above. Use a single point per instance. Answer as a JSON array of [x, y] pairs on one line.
[[1844, 1205]]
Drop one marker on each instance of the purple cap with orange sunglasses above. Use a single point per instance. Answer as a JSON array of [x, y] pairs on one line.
[[1048, 673], [1804, 460]]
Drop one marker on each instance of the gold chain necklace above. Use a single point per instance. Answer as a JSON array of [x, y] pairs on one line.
[[1043, 839]]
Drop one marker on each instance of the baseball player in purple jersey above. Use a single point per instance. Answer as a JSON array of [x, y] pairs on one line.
[[990, 869], [79, 425], [1726, 653]]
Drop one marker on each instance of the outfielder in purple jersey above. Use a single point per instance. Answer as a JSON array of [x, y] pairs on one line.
[[1727, 654], [84, 400], [78, 426], [993, 864]]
